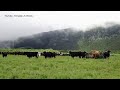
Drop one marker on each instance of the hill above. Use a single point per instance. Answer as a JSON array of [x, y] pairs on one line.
[[99, 37], [65, 39]]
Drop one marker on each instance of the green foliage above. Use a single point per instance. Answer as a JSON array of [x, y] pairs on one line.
[[61, 67]]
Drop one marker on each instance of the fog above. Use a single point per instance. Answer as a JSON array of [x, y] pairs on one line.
[[14, 24]]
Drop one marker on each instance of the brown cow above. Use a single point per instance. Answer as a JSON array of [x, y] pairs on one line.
[[95, 54]]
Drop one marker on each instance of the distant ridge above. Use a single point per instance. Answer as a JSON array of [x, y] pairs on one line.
[[99, 37]]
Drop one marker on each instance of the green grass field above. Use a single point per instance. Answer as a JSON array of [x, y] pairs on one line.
[[61, 67]]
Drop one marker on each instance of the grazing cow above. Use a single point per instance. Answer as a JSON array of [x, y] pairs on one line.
[[31, 54], [77, 54], [4, 54], [106, 54], [95, 54], [49, 54]]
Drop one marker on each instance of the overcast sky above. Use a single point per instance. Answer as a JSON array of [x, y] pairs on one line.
[[12, 25]]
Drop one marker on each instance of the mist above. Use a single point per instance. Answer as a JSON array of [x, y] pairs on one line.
[[15, 24]]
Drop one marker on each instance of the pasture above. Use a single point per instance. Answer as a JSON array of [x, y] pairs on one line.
[[61, 67]]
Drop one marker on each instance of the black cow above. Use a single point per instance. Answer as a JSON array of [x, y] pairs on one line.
[[77, 54], [74, 54], [4, 54], [106, 54], [31, 54], [49, 54], [83, 54]]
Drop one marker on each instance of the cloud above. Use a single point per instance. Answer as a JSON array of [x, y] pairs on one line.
[[43, 21]]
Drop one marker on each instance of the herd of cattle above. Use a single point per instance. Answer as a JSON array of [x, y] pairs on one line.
[[93, 54]]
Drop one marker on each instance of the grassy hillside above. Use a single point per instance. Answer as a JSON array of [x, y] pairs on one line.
[[101, 44]]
